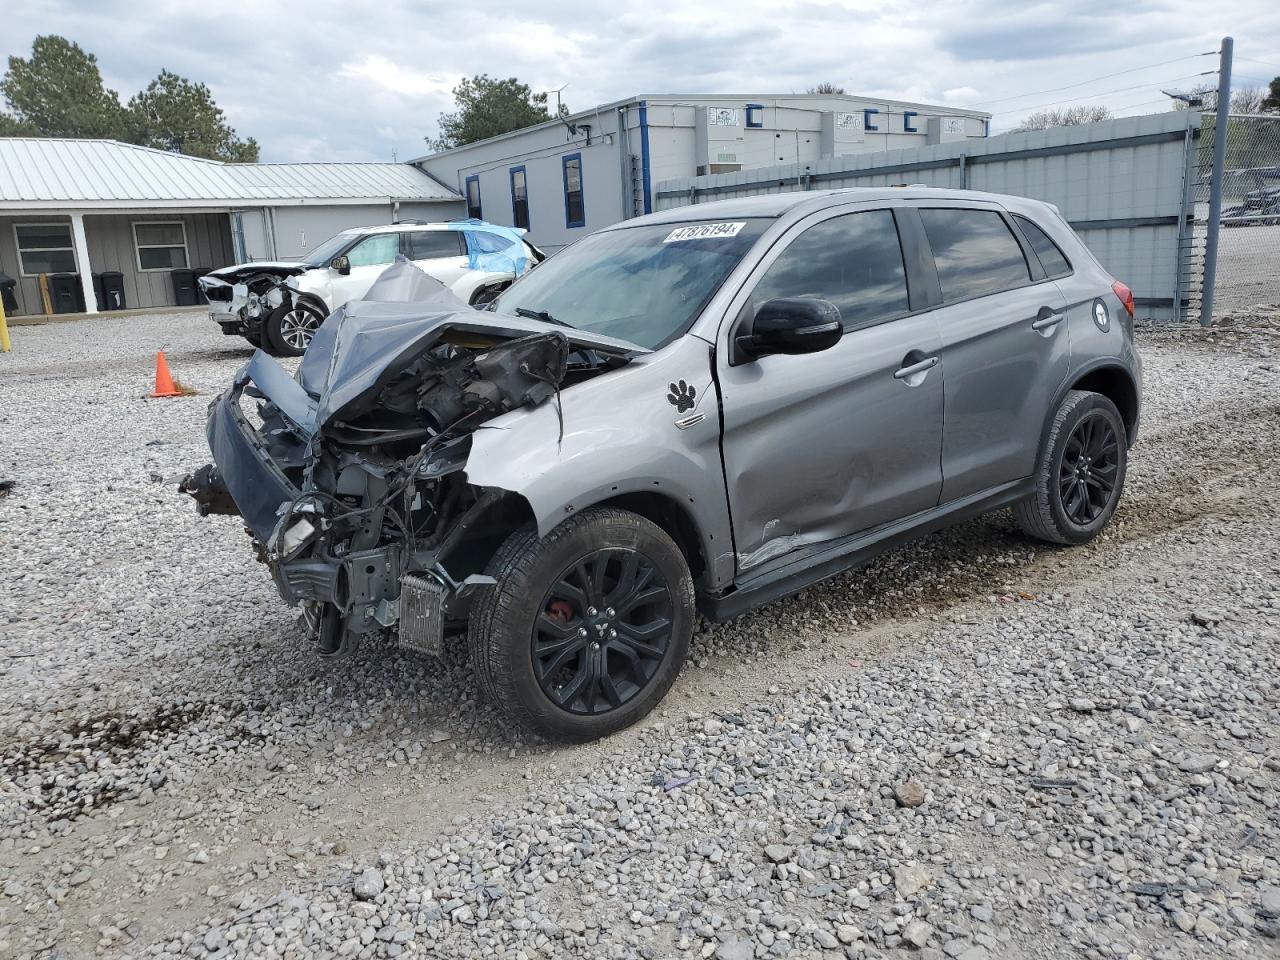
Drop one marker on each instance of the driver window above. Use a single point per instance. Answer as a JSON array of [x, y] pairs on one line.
[[854, 260], [373, 250]]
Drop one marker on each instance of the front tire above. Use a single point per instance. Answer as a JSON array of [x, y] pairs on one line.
[[1080, 472], [290, 327], [586, 629]]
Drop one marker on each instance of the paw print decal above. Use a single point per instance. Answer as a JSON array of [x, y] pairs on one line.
[[681, 396]]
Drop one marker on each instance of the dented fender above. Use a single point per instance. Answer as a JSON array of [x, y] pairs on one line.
[[659, 419]]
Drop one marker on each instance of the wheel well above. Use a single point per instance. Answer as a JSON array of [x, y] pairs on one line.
[[312, 301], [1116, 385], [674, 520], [493, 286]]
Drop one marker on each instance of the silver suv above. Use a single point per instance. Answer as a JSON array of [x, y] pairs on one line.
[[703, 409]]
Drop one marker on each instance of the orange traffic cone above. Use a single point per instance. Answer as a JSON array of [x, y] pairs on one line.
[[165, 387]]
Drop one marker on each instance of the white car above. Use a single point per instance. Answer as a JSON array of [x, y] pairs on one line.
[[279, 305]]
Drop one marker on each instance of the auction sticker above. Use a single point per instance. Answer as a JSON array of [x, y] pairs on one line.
[[705, 231]]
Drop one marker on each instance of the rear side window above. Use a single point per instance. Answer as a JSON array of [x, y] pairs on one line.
[[975, 252], [855, 261], [1050, 254], [433, 244]]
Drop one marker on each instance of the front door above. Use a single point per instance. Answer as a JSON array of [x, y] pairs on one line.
[[823, 445], [368, 259], [1004, 345]]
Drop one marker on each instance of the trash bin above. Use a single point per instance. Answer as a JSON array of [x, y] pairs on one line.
[[184, 288], [196, 274], [66, 293], [109, 286], [9, 293]]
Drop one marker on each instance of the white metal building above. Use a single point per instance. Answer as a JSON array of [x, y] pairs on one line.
[[85, 207], [564, 178]]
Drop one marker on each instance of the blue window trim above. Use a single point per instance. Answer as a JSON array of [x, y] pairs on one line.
[[906, 121], [479, 214], [511, 175], [582, 187], [755, 115], [644, 157], [866, 118]]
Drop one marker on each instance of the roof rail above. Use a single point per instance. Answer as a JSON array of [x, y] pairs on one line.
[[414, 221]]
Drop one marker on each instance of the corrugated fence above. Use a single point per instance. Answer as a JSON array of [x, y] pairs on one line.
[[1125, 185]]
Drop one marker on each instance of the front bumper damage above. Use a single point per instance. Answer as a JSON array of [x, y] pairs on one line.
[[241, 298], [351, 478]]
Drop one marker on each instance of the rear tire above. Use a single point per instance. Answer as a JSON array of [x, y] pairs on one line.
[[587, 628], [290, 327], [1080, 472]]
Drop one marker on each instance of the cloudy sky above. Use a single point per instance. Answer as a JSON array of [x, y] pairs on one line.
[[326, 80]]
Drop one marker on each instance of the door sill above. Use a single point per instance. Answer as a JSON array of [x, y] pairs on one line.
[[830, 559]]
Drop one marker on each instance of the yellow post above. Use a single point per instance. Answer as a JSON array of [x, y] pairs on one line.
[[4, 331]]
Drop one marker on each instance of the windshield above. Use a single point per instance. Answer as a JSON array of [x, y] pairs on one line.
[[642, 284], [321, 255]]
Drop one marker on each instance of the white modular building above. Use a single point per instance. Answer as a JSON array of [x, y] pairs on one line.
[[566, 177]]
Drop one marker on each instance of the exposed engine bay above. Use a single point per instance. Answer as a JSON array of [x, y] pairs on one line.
[[243, 297], [352, 480]]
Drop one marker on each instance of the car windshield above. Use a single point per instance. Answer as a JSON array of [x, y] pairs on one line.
[[644, 284], [321, 255]]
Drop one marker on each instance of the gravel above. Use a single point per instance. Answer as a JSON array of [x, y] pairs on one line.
[[1089, 733]]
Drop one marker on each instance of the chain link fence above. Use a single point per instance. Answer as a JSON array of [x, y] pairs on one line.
[[1248, 273]]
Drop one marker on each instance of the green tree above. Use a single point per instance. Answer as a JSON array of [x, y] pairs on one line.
[[1271, 102], [825, 87], [58, 92], [488, 107], [174, 114]]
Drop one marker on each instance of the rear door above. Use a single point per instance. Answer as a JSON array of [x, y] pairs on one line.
[[824, 445], [1004, 345], [440, 253]]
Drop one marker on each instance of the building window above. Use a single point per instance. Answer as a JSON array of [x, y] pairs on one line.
[[575, 214], [161, 244], [44, 248], [473, 197], [519, 198]]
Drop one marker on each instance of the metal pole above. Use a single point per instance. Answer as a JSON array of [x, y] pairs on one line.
[[1222, 118]]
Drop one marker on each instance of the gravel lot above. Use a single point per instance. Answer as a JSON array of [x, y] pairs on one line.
[[977, 747]]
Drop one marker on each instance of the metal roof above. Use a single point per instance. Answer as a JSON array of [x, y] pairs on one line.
[[43, 172]]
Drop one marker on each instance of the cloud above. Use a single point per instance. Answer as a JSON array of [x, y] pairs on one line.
[[393, 77], [328, 80]]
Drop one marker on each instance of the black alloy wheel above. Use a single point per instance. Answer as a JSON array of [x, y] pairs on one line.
[[1089, 469], [604, 627], [1079, 472]]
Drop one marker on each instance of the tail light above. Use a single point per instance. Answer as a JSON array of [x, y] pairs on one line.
[[1126, 297]]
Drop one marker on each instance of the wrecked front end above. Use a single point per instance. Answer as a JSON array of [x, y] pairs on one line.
[[241, 298], [351, 478]]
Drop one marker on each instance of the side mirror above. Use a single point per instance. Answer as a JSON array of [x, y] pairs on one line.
[[341, 264], [791, 325]]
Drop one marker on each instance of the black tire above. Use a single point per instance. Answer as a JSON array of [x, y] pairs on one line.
[[509, 618], [289, 328], [254, 336], [486, 295], [1080, 472]]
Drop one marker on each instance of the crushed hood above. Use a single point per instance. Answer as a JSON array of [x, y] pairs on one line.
[[280, 268], [361, 347]]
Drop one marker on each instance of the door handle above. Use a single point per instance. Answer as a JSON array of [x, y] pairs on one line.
[[1048, 318], [928, 363]]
